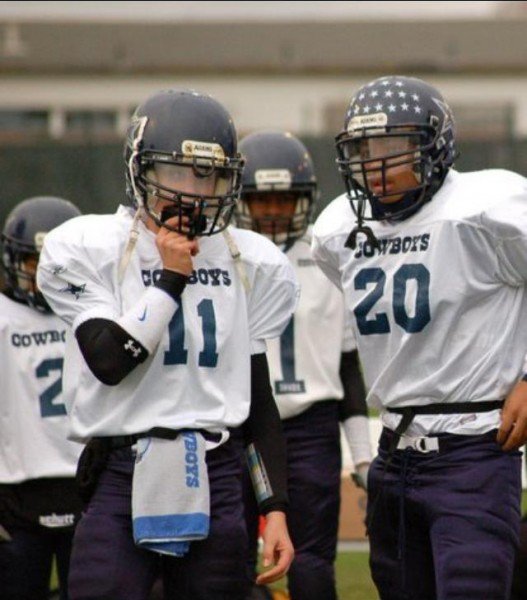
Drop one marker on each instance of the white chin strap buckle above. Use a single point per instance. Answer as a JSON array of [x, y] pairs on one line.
[[420, 444]]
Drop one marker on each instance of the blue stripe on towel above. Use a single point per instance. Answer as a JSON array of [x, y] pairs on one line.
[[171, 527]]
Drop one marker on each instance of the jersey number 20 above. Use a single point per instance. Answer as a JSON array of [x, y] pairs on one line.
[[380, 323]]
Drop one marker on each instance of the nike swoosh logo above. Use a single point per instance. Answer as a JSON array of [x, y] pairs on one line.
[[143, 317]]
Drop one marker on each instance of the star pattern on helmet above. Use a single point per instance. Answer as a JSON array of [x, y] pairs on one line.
[[398, 99]]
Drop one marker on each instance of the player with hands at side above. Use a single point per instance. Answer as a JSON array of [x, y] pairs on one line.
[[314, 365]]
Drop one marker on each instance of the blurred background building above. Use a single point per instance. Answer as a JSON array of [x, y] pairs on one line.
[[71, 73]]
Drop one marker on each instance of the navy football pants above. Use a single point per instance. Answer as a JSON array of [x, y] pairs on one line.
[[25, 563], [445, 525], [107, 565]]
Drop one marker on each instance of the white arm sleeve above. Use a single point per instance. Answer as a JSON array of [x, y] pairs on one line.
[[357, 432], [147, 320]]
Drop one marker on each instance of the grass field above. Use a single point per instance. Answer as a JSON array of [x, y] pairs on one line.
[[353, 577]]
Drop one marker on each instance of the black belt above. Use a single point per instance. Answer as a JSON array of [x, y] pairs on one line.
[[121, 441]]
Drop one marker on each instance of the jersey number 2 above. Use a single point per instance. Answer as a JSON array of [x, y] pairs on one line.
[[176, 353], [47, 408]]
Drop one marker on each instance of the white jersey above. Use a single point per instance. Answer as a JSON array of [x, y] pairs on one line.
[[304, 362], [441, 309], [199, 374], [33, 422]]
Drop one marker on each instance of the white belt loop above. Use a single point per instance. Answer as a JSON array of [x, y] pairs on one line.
[[420, 444]]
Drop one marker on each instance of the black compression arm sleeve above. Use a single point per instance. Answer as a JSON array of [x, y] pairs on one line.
[[354, 402], [264, 429], [110, 352]]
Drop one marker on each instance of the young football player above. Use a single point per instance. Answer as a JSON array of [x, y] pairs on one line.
[[170, 310], [313, 365], [39, 504], [433, 265]]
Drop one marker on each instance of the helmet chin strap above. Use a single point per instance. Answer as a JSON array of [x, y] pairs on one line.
[[132, 241], [351, 242], [360, 227], [237, 258]]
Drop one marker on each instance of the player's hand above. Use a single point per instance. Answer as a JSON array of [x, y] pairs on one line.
[[512, 433], [360, 476], [176, 249], [4, 535], [278, 552]]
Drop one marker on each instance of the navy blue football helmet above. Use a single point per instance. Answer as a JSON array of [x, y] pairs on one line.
[[395, 122], [181, 133], [22, 239], [277, 165]]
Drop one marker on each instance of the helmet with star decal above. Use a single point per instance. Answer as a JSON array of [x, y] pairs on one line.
[[396, 148]]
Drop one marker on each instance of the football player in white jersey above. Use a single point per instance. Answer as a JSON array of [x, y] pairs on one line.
[[433, 264], [314, 366], [169, 311], [39, 504]]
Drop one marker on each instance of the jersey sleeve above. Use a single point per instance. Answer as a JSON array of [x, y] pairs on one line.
[[272, 300], [71, 277], [506, 222], [325, 258]]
